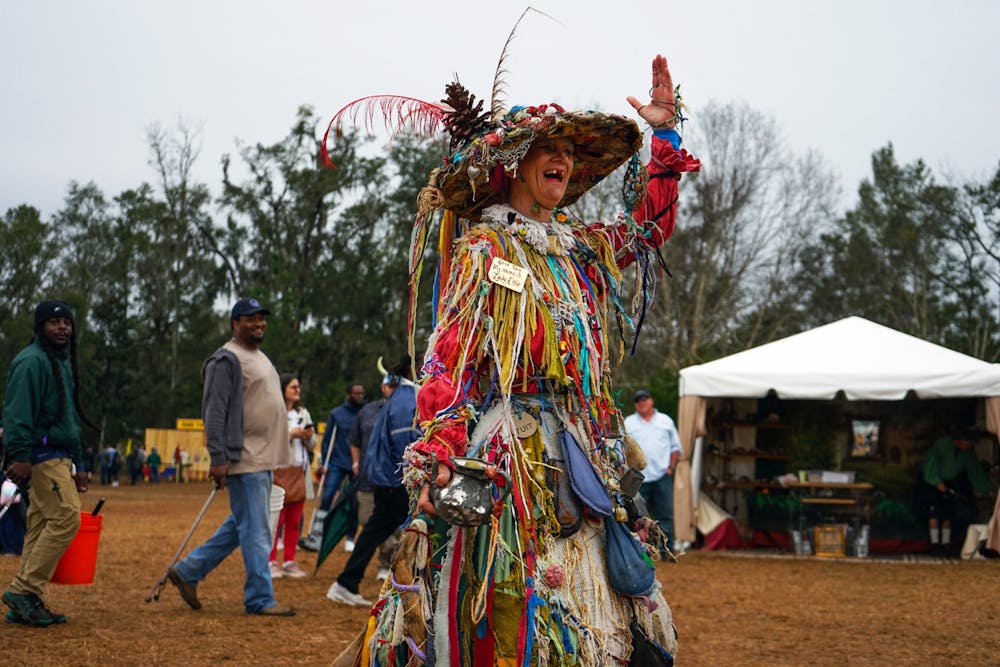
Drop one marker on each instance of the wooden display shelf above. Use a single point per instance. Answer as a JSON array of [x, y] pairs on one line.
[[762, 455], [750, 455], [854, 486], [744, 484], [773, 426], [829, 501]]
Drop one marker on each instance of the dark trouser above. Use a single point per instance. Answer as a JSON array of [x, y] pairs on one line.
[[938, 505], [945, 505], [391, 507], [659, 497]]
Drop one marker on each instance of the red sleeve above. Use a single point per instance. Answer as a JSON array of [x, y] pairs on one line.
[[443, 417], [657, 213]]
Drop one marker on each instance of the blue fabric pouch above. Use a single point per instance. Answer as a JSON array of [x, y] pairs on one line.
[[630, 572], [586, 484]]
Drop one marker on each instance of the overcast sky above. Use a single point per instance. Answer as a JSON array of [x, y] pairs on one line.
[[82, 81]]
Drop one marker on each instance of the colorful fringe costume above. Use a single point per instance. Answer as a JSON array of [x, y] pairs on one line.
[[516, 399], [530, 370]]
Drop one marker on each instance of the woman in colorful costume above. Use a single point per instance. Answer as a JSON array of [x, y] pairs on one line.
[[516, 398]]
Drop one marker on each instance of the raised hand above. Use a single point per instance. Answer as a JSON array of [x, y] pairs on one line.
[[661, 110]]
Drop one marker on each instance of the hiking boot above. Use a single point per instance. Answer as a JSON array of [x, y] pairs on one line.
[[188, 592], [28, 609], [14, 617], [275, 570], [340, 594], [273, 610], [57, 619], [292, 569]]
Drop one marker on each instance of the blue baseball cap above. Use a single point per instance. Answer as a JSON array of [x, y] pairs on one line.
[[641, 394], [248, 306]]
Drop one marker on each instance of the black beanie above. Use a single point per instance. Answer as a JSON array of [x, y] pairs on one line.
[[46, 310]]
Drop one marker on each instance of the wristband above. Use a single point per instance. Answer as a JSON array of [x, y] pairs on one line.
[[669, 134]]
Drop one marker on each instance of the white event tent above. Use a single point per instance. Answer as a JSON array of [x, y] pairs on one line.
[[862, 359]]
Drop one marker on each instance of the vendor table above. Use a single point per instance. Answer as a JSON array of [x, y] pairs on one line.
[[831, 495]]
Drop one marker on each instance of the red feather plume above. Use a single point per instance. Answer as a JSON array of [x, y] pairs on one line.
[[399, 113]]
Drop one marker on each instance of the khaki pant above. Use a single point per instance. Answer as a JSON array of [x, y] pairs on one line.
[[53, 519], [366, 504]]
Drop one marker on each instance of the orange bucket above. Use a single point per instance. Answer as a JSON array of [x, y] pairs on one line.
[[78, 563]]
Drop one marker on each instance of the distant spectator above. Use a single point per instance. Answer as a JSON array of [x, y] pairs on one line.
[[358, 439], [154, 462], [246, 433], [179, 465], [949, 478], [292, 478], [42, 417], [338, 424], [110, 464], [657, 436], [134, 463], [392, 432]]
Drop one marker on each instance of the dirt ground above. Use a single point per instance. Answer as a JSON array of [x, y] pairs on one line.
[[729, 610]]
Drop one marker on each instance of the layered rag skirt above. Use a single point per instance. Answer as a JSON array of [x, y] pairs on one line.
[[531, 586]]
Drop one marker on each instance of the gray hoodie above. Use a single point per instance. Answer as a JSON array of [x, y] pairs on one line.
[[222, 407]]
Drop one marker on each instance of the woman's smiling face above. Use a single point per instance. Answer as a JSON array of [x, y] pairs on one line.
[[543, 175]]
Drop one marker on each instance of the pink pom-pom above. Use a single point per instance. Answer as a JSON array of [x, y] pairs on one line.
[[554, 576]]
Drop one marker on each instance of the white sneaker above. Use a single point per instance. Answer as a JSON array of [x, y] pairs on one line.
[[383, 574], [348, 546], [338, 593], [292, 569], [275, 569]]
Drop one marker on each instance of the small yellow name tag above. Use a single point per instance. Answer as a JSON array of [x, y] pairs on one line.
[[507, 275]]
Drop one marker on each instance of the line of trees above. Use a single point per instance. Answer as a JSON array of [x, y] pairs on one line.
[[760, 252]]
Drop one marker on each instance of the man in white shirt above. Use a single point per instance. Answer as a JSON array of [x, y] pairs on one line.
[[657, 436]]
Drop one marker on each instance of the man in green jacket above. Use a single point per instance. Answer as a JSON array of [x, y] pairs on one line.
[[42, 435], [950, 475]]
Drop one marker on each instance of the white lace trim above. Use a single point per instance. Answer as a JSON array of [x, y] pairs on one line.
[[534, 233]]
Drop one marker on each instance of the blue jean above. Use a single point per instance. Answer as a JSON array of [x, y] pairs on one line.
[[246, 527], [334, 478], [659, 497]]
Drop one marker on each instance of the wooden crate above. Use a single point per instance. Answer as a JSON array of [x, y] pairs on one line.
[[830, 540]]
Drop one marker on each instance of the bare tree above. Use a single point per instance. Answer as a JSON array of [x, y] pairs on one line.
[[743, 222]]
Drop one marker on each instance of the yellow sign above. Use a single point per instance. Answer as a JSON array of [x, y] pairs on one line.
[[190, 425]]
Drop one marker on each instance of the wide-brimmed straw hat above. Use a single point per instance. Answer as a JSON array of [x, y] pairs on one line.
[[465, 184], [483, 142]]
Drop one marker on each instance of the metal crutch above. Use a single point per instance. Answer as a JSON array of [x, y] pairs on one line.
[[322, 481], [154, 594]]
